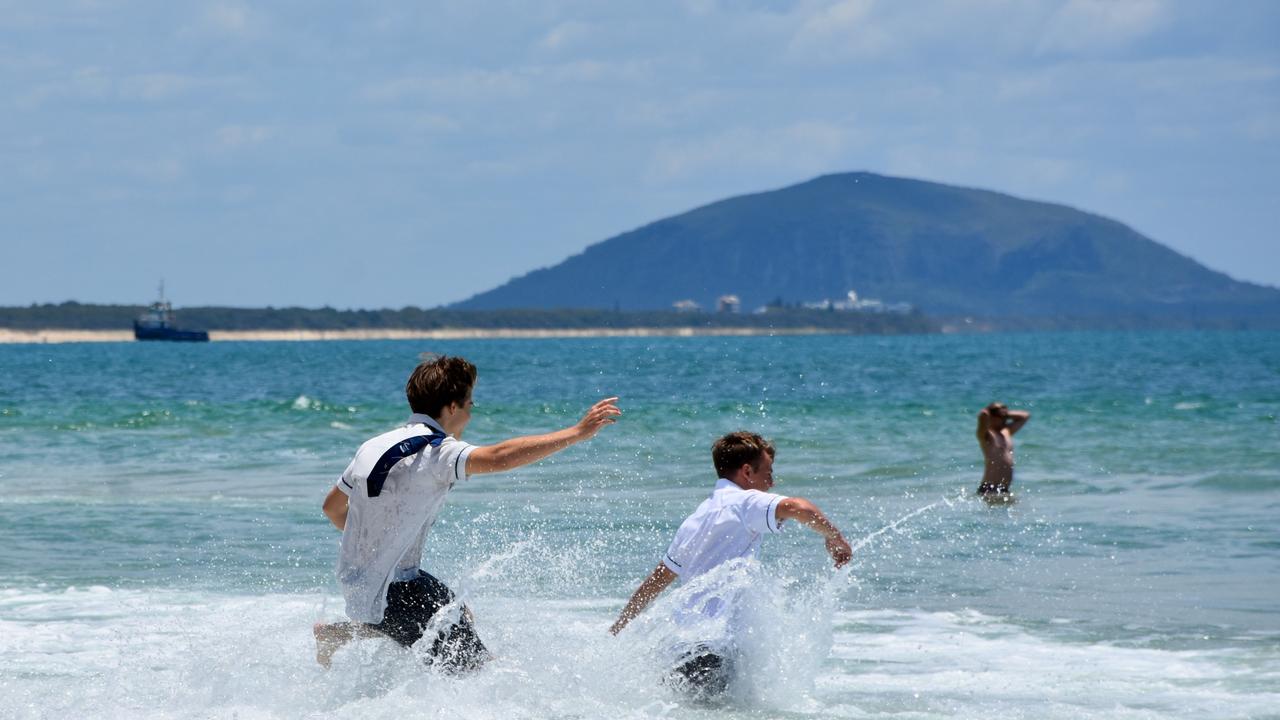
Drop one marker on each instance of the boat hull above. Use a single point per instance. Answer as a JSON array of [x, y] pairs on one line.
[[169, 334]]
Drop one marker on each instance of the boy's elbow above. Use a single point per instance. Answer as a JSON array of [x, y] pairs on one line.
[[796, 508]]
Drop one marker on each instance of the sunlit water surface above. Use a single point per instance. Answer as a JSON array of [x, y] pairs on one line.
[[164, 554]]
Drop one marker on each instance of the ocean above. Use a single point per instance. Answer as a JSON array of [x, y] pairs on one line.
[[164, 554]]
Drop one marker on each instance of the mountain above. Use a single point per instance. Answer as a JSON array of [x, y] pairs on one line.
[[947, 250]]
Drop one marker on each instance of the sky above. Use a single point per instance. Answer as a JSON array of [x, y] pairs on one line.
[[390, 153]]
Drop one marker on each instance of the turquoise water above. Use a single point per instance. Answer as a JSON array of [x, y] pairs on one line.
[[165, 556]]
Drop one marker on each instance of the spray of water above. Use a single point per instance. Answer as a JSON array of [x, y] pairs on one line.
[[894, 526]]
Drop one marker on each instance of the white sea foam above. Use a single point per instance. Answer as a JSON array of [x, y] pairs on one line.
[[96, 652], [940, 662]]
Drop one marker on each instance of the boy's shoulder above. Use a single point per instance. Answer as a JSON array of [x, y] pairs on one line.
[[383, 440], [740, 500], [374, 448]]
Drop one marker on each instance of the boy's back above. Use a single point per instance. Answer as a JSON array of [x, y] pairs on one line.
[[727, 525]]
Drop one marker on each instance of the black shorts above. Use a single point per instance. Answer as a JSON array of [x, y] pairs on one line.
[[410, 606], [702, 673]]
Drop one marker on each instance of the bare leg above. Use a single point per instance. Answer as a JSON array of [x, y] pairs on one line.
[[329, 638]]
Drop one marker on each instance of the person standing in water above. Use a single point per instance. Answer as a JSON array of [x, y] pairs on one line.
[[387, 499], [729, 525], [997, 425]]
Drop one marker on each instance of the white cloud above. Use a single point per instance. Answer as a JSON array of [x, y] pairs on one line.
[[1021, 87], [1113, 182], [158, 170], [84, 83], [237, 136], [564, 34], [519, 82], [700, 7], [455, 85], [1263, 127], [841, 30], [228, 18], [802, 148], [433, 123], [1088, 26], [93, 83], [1174, 132], [492, 169], [155, 86], [598, 71], [678, 111]]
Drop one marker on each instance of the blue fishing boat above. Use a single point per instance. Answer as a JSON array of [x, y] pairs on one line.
[[157, 323]]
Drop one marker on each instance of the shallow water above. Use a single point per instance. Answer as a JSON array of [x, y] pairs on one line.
[[166, 557]]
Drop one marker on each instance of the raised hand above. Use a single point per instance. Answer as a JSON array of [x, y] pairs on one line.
[[600, 414]]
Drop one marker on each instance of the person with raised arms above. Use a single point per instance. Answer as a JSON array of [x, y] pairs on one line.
[[387, 499], [728, 525], [997, 425]]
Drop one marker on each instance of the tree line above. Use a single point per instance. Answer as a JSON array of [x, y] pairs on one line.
[[80, 316]]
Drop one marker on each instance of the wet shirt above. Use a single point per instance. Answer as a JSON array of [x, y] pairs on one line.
[[728, 525], [395, 487]]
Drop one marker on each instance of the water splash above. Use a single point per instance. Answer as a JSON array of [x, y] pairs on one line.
[[894, 526]]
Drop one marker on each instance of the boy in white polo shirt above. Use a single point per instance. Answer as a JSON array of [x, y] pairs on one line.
[[387, 499], [728, 525]]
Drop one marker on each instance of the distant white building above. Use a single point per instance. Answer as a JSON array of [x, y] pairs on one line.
[[852, 303], [686, 306], [728, 304]]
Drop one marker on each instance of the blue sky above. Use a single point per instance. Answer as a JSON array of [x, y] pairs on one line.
[[387, 153]]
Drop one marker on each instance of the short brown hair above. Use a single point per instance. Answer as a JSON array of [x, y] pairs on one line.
[[737, 449], [437, 381]]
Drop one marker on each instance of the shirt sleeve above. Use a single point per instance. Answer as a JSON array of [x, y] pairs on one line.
[[684, 547], [760, 512], [346, 483], [669, 557], [454, 454]]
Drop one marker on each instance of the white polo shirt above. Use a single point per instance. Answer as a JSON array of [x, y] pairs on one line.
[[728, 525], [395, 487]]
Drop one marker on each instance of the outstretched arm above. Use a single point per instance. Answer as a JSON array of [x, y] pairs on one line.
[[808, 514], [516, 452], [1017, 418], [652, 586]]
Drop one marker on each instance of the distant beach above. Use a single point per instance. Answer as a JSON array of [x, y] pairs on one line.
[[53, 336]]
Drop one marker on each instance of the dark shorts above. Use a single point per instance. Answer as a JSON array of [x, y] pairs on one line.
[[702, 673], [410, 606]]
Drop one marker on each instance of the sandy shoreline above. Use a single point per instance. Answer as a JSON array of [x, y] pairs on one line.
[[10, 336]]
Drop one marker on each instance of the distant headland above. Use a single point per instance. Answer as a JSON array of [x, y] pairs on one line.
[[847, 253], [951, 252]]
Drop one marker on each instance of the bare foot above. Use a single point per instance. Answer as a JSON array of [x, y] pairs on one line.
[[329, 638]]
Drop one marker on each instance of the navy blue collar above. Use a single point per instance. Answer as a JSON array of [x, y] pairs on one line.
[[405, 448]]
